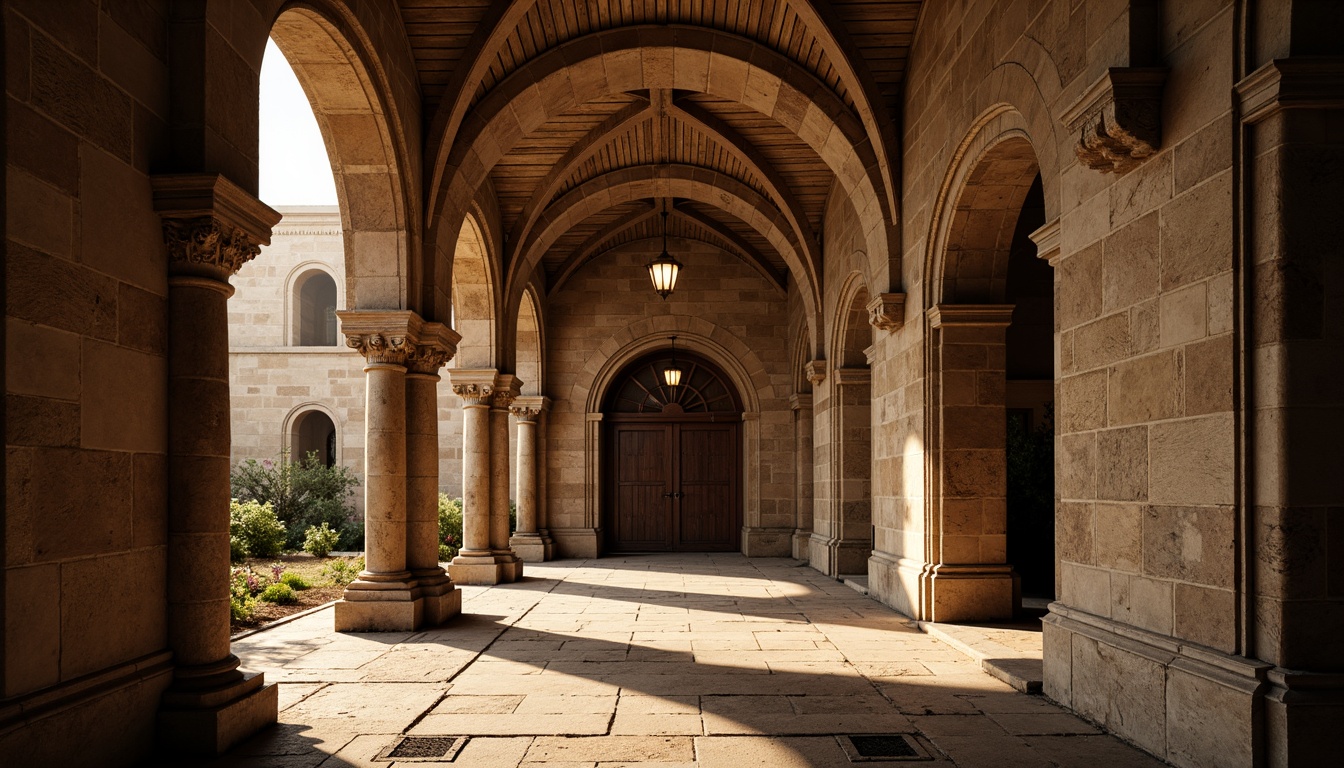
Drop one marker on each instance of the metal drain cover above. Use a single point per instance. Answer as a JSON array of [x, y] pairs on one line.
[[412, 749], [882, 747]]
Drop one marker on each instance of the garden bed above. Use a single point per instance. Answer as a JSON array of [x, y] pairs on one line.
[[323, 589]]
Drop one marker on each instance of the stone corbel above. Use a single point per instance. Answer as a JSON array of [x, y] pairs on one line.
[[815, 371], [211, 226], [1118, 120], [1047, 240], [887, 311]]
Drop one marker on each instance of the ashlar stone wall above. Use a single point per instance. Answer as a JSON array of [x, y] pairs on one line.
[[608, 305], [272, 380]]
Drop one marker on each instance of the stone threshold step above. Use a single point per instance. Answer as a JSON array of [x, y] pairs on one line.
[[1023, 671]]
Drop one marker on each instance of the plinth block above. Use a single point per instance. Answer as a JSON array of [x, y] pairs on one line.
[[211, 730]]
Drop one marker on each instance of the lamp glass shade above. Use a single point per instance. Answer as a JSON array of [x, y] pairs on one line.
[[671, 375], [663, 272]]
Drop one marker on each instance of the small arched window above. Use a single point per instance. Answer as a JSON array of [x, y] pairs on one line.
[[313, 432], [315, 310]]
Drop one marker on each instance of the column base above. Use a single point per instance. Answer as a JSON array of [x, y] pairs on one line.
[[403, 605], [968, 592], [510, 567], [442, 599], [531, 547], [838, 557], [478, 570], [210, 722], [800, 540]]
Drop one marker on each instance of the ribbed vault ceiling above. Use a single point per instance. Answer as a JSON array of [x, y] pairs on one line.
[[853, 51]]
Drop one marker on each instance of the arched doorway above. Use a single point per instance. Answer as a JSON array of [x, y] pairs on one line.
[[313, 432], [673, 471]]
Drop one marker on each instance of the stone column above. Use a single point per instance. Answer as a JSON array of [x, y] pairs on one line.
[[387, 597], [211, 228], [441, 598], [527, 541], [802, 446], [475, 563], [506, 391], [966, 577]]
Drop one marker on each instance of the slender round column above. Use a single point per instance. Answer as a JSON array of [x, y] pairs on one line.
[[422, 472], [475, 470], [499, 473], [384, 472], [527, 471]]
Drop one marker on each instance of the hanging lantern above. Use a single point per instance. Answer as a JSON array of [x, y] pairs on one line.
[[671, 371], [663, 270]]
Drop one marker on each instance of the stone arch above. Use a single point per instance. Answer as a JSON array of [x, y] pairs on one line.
[[705, 61], [720, 347], [851, 332], [680, 181], [294, 284], [475, 299], [530, 344], [294, 421], [365, 136]]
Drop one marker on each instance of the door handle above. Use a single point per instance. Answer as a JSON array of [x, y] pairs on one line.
[[669, 495]]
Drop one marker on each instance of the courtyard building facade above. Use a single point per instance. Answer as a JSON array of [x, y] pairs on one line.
[[985, 305]]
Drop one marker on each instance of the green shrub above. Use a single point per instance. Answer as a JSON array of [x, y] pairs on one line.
[[303, 493], [342, 572], [280, 594], [319, 541], [294, 581], [237, 551], [242, 585], [254, 525], [450, 527]]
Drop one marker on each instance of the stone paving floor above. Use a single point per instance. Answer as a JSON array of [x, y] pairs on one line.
[[676, 660]]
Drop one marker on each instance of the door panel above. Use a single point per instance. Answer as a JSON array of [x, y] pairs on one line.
[[699, 461], [642, 473], [708, 468]]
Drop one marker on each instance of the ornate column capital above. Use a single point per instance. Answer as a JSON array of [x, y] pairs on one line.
[[887, 311], [435, 346], [474, 386], [211, 226], [507, 389], [398, 337], [815, 371], [529, 407]]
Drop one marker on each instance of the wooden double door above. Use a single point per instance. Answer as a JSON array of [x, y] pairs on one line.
[[673, 486]]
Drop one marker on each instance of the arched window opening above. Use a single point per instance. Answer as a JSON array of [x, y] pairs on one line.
[[313, 432], [315, 310]]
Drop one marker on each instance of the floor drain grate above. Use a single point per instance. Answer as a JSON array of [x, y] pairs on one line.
[[883, 747], [416, 748]]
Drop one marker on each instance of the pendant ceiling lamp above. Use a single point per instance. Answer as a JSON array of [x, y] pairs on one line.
[[663, 270], [671, 371]]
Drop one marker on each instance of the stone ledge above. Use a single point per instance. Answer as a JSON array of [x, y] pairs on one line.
[[1022, 670]]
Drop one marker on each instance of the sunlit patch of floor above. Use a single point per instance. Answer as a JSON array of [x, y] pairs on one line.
[[667, 660]]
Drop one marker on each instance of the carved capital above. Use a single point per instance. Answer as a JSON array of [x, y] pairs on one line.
[[381, 348], [435, 346], [1118, 120], [525, 413], [887, 311], [815, 371], [503, 399], [211, 226], [475, 394]]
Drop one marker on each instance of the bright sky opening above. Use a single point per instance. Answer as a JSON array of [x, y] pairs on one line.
[[294, 165]]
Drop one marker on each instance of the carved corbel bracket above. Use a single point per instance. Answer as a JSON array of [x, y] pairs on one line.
[[211, 226], [815, 371], [1118, 120], [887, 311]]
